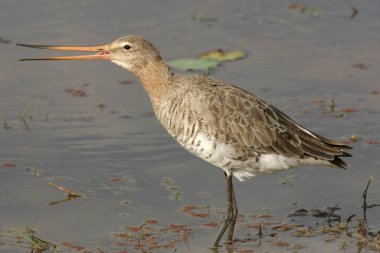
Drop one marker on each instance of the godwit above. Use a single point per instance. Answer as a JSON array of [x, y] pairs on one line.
[[218, 122]]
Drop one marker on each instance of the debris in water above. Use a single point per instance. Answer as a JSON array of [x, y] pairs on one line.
[[355, 12]]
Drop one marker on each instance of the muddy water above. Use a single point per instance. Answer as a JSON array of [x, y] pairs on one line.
[[108, 146]]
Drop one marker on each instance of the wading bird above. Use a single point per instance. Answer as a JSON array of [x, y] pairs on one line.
[[218, 122]]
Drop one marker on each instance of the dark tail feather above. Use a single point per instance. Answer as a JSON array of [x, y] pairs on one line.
[[339, 162], [345, 154], [333, 143]]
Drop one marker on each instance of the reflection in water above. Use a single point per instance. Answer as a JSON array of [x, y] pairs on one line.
[[70, 194], [62, 200], [365, 206]]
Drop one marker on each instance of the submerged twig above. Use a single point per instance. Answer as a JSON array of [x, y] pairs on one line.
[[355, 12], [37, 244], [23, 116], [260, 234], [348, 220], [332, 105], [365, 206], [5, 123], [333, 216], [70, 193]]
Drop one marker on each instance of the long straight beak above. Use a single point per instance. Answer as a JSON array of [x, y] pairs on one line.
[[103, 53]]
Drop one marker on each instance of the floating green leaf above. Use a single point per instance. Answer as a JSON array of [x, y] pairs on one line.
[[221, 55], [193, 64], [201, 17], [314, 11], [4, 40]]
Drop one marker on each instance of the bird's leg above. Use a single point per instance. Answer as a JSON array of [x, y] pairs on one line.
[[229, 213], [234, 214]]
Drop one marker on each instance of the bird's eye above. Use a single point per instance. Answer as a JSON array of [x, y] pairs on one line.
[[127, 47]]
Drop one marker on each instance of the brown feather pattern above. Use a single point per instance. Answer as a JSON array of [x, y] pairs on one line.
[[253, 126]]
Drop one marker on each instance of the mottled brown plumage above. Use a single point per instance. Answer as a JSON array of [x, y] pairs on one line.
[[219, 122]]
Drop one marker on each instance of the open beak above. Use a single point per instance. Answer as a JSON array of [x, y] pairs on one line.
[[103, 53]]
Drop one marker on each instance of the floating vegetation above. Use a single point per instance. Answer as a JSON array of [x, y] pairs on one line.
[[201, 17], [33, 171], [176, 195], [150, 235], [70, 194], [73, 246], [24, 115], [121, 185], [101, 105], [27, 238], [303, 8], [289, 179], [193, 64], [303, 232], [207, 61], [332, 105], [173, 189], [126, 82], [361, 66], [331, 108], [5, 123], [221, 55], [196, 211], [4, 40], [299, 212], [76, 92], [8, 165]]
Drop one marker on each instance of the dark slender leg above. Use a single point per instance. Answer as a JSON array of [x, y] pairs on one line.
[[231, 214], [231, 229]]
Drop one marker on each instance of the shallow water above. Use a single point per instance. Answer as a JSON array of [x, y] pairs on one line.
[[124, 164]]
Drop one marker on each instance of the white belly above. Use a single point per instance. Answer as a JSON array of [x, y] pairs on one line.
[[236, 161]]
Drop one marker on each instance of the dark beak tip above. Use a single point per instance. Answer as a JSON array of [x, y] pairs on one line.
[[22, 45]]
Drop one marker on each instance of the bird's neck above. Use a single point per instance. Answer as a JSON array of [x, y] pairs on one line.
[[155, 77]]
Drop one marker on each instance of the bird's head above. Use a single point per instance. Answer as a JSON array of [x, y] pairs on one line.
[[132, 52]]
